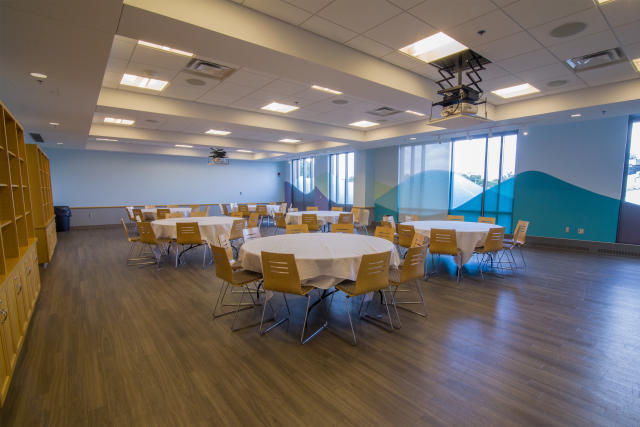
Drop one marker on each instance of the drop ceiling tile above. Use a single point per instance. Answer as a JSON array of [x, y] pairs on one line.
[[610, 74], [406, 4], [117, 65], [621, 12], [279, 9], [402, 60], [400, 31], [633, 51], [359, 15], [427, 70], [312, 6], [146, 70], [217, 98], [328, 29], [557, 71], [181, 89], [317, 95], [500, 83], [591, 17], [516, 44], [369, 46], [531, 13], [530, 60], [283, 87], [493, 71], [233, 89], [122, 47], [159, 58], [111, 79], [503, 3], [496, 25], [445, 14], [585, 45], [248, 78], [629, 33]]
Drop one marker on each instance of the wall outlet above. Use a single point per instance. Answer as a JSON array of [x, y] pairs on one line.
[[566, 229], [580, 230]]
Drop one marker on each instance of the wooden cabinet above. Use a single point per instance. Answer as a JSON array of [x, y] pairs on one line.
[[19, 275], [42, 202]]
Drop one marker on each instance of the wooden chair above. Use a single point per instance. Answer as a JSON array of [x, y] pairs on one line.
[[293, 209], [345, 218], [244, 210], [197, 214], [444, 242], [224, 242], [336, 209], [134, 241], [280, 274], [148, 237], [361, 220], [311, 220], [373, 275], [281, 224], [405, 235], [487, 220], [237, 278], [342, 228], [176, 215], [384, 233], [130, 216], [149, 206], [194, 207], [409, 218], [226, 209], [236, 233], [251, 233], [172, 206], [518, 241], [311, 208], [137, 214], [188, 233], [455, 217], [411, 270], [262, 212], [254, 219], [389, 220], [493, 244], [283, 207], [297, 228], [273, 203], [162, 213], [418, 240], [206, 210], [237, 214]]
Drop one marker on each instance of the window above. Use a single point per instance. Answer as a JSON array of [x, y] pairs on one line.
[[341, 171], [467, 177], [632, 190], [302, 174]]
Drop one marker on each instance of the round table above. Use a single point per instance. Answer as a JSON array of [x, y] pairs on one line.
[[469, 235], [324, 217], [327, 258], [210, 227], [271, 209], [152, 213]]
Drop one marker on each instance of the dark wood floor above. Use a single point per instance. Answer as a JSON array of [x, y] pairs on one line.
[[114, 345]]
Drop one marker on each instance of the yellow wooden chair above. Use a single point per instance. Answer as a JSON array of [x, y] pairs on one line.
[[254, 219], [194, 207], [134, 242], [263, 212], [487, 220], [518, 241], [148, 237], [356, 214], [197, 214], [455, 217], [224, 242], [173, 206], [162, 213], [281, 223], [188, 233], [237, 214], [336, 209], [312, 208], [444, 242], [345, 218], [251, 233], [373, 275], [342, 228], [297, 228], [280, 274], [411, 270], [149, 206], [311, 220], [176, 215], [226, 209], [493, 245], [138, 215], [130, 216], [384, 233], [405, 235], [418, 240], [243, 209], [410, 218]]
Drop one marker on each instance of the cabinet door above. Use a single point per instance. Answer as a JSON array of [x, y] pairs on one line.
[[12, 308], [18, 298], [5, 330], [5, 368], [35, 271]]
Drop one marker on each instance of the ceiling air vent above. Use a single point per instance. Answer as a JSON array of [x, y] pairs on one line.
[[210, 69], [36, 137], [384, 111], [595, 60]]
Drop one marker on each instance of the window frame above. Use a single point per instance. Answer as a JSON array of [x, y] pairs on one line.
[[334, 178]]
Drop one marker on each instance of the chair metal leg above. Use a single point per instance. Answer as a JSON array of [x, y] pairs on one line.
[[353, 332], [304, 325], [276, 324]]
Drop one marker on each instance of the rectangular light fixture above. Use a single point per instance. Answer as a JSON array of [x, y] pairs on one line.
[[415, 113], [106, 139], [142, 82], [326, 89], [116, 121], [434, 47], [364, 124], [164, 48], [513, 91], [604, 1], [289, 140], [217, 132], [636, 63], [244, 151], [183, 146], [279, 108], [576, 115]]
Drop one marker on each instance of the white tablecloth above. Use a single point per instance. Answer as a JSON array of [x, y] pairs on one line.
[[152, 212], [468, 234], [324, 217], [326, 258], [210, 227], [271, 209]]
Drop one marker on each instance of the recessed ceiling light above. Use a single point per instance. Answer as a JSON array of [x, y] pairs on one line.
[[434, 47], [217, 132], [54, 123], [415, 113], [513, 91], [326, 89], [59, 143], [289, 140], [183, 146], [106, 139], [38, 75], [116, 121], [636, 63], [604, 1], [142, 82], [164, 48], [576, 115], [279, 108], [413, 139], [364, 124], [244, 151]]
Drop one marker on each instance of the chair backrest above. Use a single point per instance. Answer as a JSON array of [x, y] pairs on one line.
[[177, 215], [356, 213], [363, 218], [487, 220], [223, 242], [373, 273], [280, 273], [293, 209], [195, 214], [280, 220], [236, 229], [146, 233], [443, 241], [405, 235], [391, 220], [149, 206], [520, 233], [336, 209], [206, 210], [384, 233], [311, 220], [253, 219], [312, 208], [418, 240], [126, 232], [251, 233], [494, 240], [137, 214], [188, 233], [244, 208], [130, 214], [272, 203], [162, 213], [345, 218], [283, 207], [297, 228], [194, 207], [342, 228], [388, 224], [408, 218], [262, 210], [223, 266], [455, 217], [172, 206], [226, 209], [413, 265], [236, 214]]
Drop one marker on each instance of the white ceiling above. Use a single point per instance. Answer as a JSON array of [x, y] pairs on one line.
[[279, 48]]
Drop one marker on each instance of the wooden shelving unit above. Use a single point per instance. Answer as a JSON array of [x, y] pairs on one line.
[[42, 202], [19, 275]]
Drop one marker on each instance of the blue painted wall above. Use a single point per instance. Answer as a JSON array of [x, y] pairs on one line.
[[102, 178]]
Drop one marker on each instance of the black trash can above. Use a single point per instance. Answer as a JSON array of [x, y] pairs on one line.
[[63, 215]]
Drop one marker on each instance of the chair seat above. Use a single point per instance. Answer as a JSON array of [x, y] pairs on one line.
[[235, 264], [162, 240], [240, 277]]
